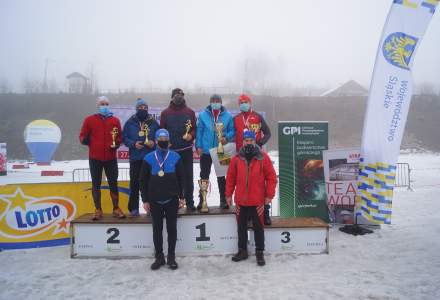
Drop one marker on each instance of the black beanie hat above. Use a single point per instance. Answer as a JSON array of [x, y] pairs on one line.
[[215, 97], [176, 91]]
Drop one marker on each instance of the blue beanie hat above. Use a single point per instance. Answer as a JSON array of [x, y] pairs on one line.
[[249, 134], [162, 133], [140, 102]]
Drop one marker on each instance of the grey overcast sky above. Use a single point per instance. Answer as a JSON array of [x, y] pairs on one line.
[[133, 43]]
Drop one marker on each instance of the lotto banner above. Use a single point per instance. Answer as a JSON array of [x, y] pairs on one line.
[[39, 215], [388, 104], [301, 170]]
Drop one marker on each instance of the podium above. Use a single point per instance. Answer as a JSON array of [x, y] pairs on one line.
[[198, 234]]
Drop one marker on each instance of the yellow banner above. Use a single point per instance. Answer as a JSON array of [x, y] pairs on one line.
[[39, 215]]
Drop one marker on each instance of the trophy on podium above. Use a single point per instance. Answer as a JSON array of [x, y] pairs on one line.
[[114, 134], [204, 184], [219, 130], [146, 131], [187, 129]]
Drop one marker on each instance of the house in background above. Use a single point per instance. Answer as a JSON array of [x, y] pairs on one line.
[[78, 83], [348, 89]]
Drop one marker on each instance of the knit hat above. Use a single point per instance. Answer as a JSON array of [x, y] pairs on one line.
[[244, 97], [140, 102], [162, 133], [176, 91], [215, 97], [249, 134], [101, 99]]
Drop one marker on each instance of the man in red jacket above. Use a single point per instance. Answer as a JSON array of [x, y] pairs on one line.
[[101, 132], [252, 176], [248, 119]]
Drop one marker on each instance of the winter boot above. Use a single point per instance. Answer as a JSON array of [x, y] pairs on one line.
[[260, 258], [98, 215], [267, 220], [242, 254], [158, 262], [171, 261], [221, 181], [117, 213]]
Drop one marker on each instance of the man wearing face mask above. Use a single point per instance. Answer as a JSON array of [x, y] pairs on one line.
[[96, 133], [135, 139], [252, 179], [162, 181], [207, 138], [175, 119], [248, 119]]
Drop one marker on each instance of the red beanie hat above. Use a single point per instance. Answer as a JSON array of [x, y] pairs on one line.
[[244, 97]]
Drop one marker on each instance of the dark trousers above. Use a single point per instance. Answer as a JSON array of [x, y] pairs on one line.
[[110, 168], [158, 212], [133, 199], [244, 213], [205, 171], [188, 189]]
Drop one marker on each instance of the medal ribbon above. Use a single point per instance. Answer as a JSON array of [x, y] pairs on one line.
[[157, 159]]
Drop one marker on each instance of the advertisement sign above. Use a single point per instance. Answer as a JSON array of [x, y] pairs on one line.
[[301, 170], [388, 105], [42, 138], [39, 215], [3, 160]]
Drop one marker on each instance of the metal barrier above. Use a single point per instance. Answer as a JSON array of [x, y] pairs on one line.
[[83, 175], [403, 175]]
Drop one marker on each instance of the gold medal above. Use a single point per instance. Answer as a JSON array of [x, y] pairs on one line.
[[161, 173], [141, 133]]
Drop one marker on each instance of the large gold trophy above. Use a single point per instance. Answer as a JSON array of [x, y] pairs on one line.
[[219, 130], [146, 131], [187, 129], [114, 134], [204, 184]]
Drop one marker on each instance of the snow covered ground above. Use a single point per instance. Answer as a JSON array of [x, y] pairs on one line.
[[400, 261]]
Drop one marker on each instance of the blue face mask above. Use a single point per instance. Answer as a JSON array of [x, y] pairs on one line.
[[216, 106], [245, 107], [104, 110]]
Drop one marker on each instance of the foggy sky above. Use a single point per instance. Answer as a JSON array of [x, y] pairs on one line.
[[167, 43]]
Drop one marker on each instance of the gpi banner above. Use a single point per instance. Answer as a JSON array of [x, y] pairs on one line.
[[302, 184], [39, 215], [388, 104]]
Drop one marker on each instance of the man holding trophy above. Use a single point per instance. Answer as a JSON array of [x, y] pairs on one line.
[[101, 132], [215, 128], [248, 119], [180, 121], [138, 135]]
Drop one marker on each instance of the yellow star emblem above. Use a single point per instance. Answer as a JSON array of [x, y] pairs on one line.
[[18, 199]]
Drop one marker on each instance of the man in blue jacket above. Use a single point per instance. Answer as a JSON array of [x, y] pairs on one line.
[[206, 138], [139, 145], [162, 180]]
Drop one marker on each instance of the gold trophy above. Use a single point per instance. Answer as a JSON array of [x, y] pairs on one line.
[[187, 129], [146, 131], [204, 184], [114, 134], [255, 127], [219, 130]]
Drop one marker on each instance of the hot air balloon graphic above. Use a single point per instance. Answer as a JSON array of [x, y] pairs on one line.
[[42, 138]]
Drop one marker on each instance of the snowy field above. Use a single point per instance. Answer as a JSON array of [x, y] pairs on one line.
[[399, 261]]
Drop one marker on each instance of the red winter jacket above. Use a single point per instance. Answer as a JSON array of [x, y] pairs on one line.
[[245, 120], [96, 133], [253, 183]]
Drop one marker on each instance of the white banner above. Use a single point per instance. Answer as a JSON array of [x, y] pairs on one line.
[[388, 105]]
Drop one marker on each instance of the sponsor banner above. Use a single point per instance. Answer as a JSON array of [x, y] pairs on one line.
[[388, 105], [3, 160], [301, 172], [39, 215], [42, 138]]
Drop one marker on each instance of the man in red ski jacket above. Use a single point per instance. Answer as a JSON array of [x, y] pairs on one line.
[[252, 177], [97, 133], [248, 119]]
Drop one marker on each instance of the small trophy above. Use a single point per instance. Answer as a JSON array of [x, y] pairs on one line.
[[187, 129], [219, 130], [146, 131], [204, 184], [255, 127], [114, 134]]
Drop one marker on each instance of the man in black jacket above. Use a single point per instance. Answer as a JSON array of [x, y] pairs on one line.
[[161, 181]]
